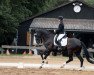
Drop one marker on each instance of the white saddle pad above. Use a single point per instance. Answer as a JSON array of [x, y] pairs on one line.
[[63, 41]]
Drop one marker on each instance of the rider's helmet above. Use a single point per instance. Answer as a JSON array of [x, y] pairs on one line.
[[60, 17]]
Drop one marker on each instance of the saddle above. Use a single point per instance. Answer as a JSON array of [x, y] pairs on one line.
[[60, 40]]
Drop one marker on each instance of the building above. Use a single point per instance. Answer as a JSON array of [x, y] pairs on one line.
[[78, 20]]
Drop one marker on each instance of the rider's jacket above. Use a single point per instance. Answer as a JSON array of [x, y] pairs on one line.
[[60, 29]]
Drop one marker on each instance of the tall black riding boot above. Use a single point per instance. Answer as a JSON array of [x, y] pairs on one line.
[[59, 45]]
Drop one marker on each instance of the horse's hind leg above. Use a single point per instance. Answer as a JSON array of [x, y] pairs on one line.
[[80, 58], [69, 60]]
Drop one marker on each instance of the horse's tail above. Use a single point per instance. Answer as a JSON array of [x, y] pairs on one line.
[[89, 59]]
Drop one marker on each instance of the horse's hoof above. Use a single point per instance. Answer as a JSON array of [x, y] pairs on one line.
[[42, 61], [46, 62], [40, 67], [81, 68], [62, 67]]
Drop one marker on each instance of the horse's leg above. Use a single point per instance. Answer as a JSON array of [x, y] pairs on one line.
[[69, 60], [47, 53], [81, 60], [42, 57]]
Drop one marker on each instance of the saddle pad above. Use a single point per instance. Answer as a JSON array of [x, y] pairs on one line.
[[54, 40], [60, 36], [63, 41]]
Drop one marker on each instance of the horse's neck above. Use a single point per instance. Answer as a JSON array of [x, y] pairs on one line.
[[47, 37]]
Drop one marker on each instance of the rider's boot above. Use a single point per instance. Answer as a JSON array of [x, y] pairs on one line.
[[59, 46]]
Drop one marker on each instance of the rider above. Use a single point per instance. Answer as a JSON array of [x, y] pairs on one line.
[[60, 31]]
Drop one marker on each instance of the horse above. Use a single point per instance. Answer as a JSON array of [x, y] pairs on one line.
[[74, 46]]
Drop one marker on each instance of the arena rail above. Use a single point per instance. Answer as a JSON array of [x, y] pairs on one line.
[[21, 47], [91, 51]]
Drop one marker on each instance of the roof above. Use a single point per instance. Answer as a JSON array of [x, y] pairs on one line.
[[70, 24], [38, 14]]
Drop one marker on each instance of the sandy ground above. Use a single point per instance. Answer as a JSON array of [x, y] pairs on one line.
[[37, 60], [15, 71]]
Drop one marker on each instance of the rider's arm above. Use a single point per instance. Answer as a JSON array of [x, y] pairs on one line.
[[60, 29]]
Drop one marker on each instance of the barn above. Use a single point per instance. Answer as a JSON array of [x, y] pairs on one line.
[[78, 21]]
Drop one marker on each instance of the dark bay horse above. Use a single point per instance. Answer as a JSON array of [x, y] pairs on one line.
[[74, 46]]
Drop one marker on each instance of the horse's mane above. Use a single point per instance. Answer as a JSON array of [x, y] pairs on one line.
[[44, 31]]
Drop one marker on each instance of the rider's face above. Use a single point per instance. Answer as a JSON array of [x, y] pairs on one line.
[[61, 21]]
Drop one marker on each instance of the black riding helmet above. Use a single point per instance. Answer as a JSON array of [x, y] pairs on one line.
[[60, 17]]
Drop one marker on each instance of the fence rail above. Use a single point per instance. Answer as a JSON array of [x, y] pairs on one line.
[[91, 51], [21, 47]]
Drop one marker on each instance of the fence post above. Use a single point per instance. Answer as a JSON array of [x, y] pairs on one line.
[[7, 52]]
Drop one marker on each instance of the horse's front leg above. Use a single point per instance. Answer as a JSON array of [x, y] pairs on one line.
[[42, 63], [46, 54], [42, 58]]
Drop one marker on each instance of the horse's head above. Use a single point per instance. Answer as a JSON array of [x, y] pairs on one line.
[[42, 34], [38, 36]]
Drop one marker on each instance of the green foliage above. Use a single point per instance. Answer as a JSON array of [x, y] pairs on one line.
[[91, 2], [50, 4], [19, 10], [35, 5], [12, 12]]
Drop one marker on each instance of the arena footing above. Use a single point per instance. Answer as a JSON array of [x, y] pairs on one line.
[[47, 66]]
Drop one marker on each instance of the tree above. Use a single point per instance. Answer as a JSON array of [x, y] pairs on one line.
[[91, 2], [11, 14]]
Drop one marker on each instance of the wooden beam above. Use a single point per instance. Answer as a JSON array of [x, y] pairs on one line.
[[21, 47]]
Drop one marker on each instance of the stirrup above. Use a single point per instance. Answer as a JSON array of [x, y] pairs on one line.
[[59, 48]]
